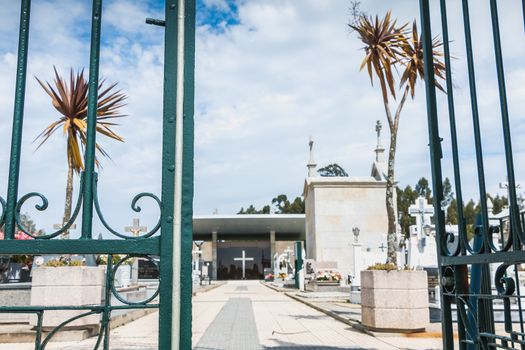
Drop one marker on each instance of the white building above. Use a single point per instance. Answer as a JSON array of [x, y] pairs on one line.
[[335, 209]]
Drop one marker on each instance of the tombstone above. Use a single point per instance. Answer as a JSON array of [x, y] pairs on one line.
[[122, 276], [282, 264], [357, 250], [147, 270], [423, 212], [421, 246], [276, 265]]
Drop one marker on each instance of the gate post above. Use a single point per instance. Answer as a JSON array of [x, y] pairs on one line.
[[177, 176]]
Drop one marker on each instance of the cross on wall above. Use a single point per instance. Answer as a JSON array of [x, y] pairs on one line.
[[243, 259]]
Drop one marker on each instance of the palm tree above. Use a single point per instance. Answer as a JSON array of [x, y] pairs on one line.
[[390, 47], [71, 102]]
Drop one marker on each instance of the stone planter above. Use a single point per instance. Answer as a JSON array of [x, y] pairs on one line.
[[68, 286], [394, 300], [323, 286]]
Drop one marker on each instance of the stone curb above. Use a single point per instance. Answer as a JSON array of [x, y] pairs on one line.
[[277, 289], [359, 327], [208, 288], [348, 321]]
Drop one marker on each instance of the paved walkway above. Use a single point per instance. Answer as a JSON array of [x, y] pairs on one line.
[[279, 322], [245, 315]]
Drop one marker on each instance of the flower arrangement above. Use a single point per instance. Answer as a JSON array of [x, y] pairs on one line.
[[63, 261], [269, 277], [383, 267], [282, 275], [328, 276]]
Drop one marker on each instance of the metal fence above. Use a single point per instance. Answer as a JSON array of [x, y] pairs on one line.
[[171, 237], [487, 317]]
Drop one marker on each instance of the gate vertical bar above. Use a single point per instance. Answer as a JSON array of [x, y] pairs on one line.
[[168, 179], [486, 322], [89, 160], [514, 211], [514, 208], [18, 120], [452, 122], [435, 156], [187, 176], [475, 119]]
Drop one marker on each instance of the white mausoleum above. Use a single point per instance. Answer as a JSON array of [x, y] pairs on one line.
[[344, 226]]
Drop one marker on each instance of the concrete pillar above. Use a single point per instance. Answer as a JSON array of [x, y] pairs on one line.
[[272, 248], [214, 255]]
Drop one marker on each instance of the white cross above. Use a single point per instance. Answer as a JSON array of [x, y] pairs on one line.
[[136, 229], [64, 235], [244, 259], [422, 212]]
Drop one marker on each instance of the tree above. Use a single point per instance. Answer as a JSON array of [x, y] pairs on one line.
[[452, 212], [470, 212], [251, 210], [423, 189], [447, 189], [71, 102], [332, 170], [499, 203], [405, 198], [390, 47], [284, 206]]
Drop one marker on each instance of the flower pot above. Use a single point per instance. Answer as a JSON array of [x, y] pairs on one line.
[[68, 286], [394, 300]]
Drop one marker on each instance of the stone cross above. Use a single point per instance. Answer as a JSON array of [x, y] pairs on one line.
[[244, 259], [311, 163], [422, 212], [64, 235], [136, 229], [382, 247], [379, 126]]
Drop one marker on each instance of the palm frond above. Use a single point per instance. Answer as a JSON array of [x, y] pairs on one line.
[[383, 40], [414, 63], [70, 99]]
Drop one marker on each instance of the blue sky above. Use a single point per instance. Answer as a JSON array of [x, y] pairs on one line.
[[218, 15], [269, 73]]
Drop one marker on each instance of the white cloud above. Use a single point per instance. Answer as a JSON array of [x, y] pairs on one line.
[[287, 71]]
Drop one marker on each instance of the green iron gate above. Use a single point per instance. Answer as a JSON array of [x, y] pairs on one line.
[[170, 239], [465, 267]]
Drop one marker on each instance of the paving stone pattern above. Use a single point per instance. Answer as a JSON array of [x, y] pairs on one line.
[[259, 318], [285, 324], [232, 329]]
